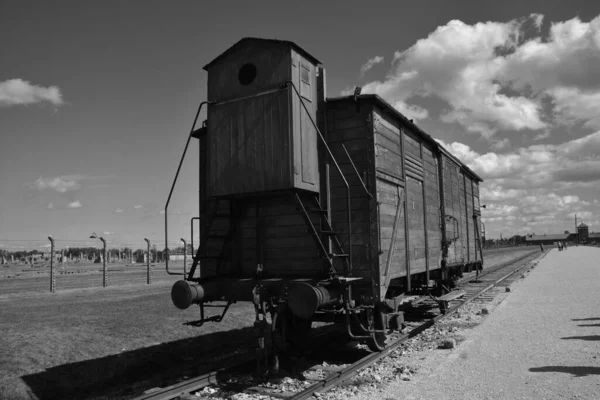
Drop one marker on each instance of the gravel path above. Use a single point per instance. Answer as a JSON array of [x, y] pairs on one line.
[[542, 342]]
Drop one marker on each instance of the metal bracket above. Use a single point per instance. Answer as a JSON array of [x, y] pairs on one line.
[[214, 318]]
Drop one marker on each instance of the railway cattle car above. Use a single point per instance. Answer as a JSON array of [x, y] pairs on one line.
[[335, 209]]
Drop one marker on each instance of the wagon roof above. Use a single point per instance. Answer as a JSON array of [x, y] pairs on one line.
[[388, 107], [275, 41]]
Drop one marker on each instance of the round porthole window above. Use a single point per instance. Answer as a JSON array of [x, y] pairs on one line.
[[247, 74]]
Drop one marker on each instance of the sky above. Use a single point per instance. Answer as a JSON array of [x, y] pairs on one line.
[[97, 100]]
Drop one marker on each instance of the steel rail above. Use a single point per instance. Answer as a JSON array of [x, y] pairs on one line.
[[338, 377], [486, 272], [199, 382], [196, 383], [182, 388]]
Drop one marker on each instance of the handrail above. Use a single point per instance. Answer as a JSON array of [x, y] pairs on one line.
[[336, 165], [173, 187], [192, 232], [357, 174]]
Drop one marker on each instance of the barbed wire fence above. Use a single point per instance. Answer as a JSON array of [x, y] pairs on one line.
[[59, 254]]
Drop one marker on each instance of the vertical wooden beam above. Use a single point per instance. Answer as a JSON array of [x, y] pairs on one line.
[[475, 228], [442, 198], [374, 219], [467, 218], [406, 228], [399, 212], [425, 217]]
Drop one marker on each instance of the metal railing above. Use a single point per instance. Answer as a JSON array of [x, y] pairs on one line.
[[187, 143], [337, 166]]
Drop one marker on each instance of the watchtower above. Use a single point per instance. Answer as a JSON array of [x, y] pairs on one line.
[[582, 232], [260, 137]]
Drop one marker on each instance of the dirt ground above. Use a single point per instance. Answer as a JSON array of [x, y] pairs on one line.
[[84, 340], [82, 343]]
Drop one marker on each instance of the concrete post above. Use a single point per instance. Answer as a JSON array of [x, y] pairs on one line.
[[149, 276], [52, 278], [104, 270]]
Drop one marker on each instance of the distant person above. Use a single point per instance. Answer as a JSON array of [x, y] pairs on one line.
[[565, 245], [542, 247]]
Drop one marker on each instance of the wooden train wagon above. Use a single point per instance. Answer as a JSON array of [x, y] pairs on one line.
[[316, 209], [417, 214]]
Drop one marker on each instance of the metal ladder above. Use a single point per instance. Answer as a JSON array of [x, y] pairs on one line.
[[206, 237], [325, 230]]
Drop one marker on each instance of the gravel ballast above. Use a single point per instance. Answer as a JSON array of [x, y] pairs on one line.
[[541, 342]]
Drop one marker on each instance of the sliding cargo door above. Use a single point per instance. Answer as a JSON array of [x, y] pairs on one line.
[[392, 229], [454, 211], [416, 225], [432, 208]]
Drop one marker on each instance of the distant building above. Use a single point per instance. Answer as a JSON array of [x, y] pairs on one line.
[[583, 231], [516, 240], [550, 239]]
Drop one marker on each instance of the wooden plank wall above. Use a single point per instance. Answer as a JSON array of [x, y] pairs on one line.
[[390, 178], [347, 125], [432, 206], [387, 196], [452, 207], [219, 227], [249, 145], [272, 63], [464, 232], [305, 161], [472, 255], [388, 152], [288, 249], [416, 225]]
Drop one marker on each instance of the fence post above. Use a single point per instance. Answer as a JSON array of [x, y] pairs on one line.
[[104, 270], [184, 258], [52, 278], [149, 276]]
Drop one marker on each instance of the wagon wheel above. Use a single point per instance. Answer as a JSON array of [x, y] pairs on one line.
[[375, 321]]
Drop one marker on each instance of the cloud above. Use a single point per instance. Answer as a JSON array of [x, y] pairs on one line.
[[119, 210], [138, 206], [108, 233], [411, 111], [370, 64], [542, 136], [19, 92], [502, 75], [61, 184], [75, 204], [531, 188], [50, 206], [501, 144], [538, 19], [537, 165]]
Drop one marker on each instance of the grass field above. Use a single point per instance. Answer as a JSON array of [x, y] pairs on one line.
[[85, 341]]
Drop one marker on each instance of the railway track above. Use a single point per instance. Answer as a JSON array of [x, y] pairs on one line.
[[480, 290]]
